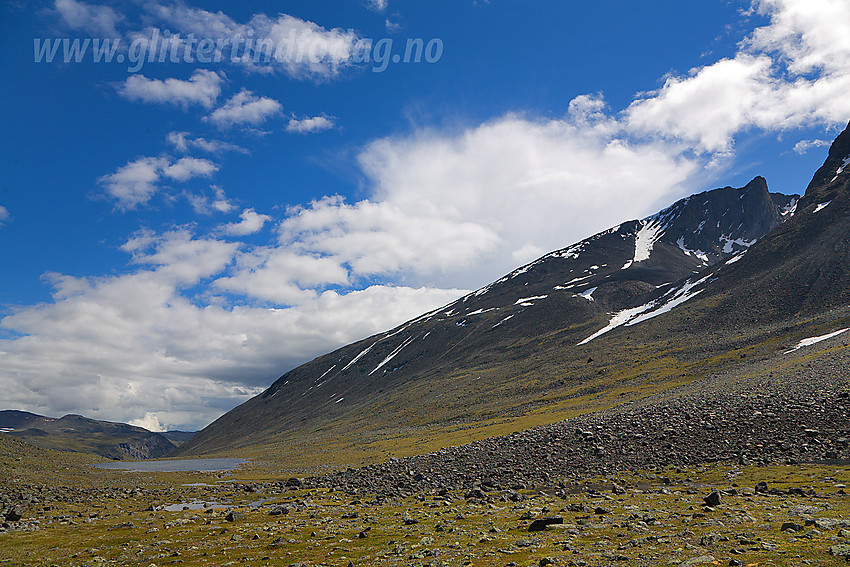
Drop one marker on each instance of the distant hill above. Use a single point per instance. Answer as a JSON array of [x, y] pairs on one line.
[[81, 434], [178, 437]]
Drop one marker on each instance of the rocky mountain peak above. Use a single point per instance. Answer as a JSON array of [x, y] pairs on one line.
[[833, 177]]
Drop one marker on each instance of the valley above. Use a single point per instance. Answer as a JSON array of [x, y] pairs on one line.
[[719, 473]]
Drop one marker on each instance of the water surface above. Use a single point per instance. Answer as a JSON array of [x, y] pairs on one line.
[[177, 465]]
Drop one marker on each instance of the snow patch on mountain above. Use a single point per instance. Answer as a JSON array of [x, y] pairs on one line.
[[326, 372], [703, 257], [654, 308], [575, 280], [680, 296], [788, 211], [481, 291], [587, 294], [814, 340], [646, 237], [821, 206], [727, 242], [480, 311], [392, 355], [526, 301], [735, 258], [359, 356], [841, 169], [569, 253]]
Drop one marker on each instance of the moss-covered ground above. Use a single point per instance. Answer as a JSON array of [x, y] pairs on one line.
[[89, 517]]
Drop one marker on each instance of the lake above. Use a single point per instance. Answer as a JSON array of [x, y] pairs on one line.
[[179, 465]]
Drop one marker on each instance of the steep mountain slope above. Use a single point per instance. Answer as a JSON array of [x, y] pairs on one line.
[[799, 271], [494, 352], [802, 267], [84, 435]]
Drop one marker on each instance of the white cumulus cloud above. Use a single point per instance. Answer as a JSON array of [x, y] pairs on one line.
[[206, 204], [93, 18], [251, 222], [150, 422], [792, 72], [804, 146], [183, 142], [245, 108], [136, 182], [377, 5], [310, 124], [300, 48], [202, 87]]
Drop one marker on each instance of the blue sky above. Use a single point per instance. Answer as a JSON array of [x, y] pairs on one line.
[[176, 235]]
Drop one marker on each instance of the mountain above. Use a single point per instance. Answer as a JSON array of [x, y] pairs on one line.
[[178, 437], [802, 267], [84, 435], [515, 353]]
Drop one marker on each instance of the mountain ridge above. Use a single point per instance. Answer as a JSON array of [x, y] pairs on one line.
[[77, 433], [612, 270]]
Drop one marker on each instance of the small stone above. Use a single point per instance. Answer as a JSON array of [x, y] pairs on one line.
[[841, 550], [232, 516], [15, 513], [475, 493], [713, 499], [832, 523], [701, 560], [540, 524], [791, 526]]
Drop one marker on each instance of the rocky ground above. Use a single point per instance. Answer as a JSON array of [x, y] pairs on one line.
[[720, 473], [702, 515], [769, 422]]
